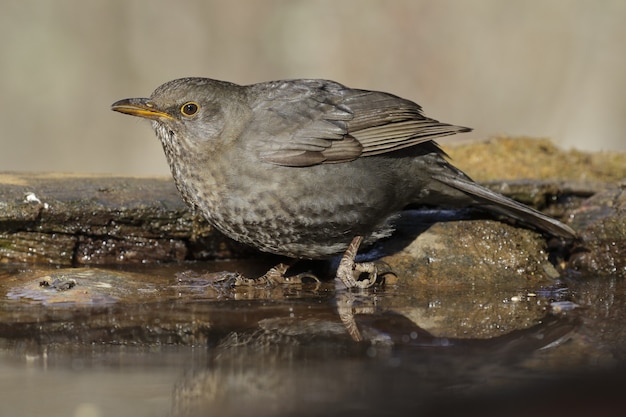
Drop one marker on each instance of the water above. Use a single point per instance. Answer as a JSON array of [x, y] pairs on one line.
[[171, 341]]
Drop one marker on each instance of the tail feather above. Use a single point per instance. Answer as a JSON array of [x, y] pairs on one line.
[[508, 207]]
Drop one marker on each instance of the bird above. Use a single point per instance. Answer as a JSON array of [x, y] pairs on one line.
[[310, 168]]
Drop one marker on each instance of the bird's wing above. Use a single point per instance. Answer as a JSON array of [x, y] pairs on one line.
[[309, 122]]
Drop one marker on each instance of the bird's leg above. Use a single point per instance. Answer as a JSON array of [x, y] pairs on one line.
[[348, 268]]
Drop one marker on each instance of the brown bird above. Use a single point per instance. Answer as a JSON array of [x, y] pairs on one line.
[[310, 168]]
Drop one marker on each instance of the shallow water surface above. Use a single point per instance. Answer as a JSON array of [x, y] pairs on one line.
[[173, 340]]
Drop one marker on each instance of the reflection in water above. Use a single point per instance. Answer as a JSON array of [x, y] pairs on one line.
[[283, 370]]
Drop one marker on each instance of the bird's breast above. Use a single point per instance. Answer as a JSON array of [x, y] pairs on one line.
[[308, 212]]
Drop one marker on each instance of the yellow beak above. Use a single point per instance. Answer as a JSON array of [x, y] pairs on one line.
[[141, 107]]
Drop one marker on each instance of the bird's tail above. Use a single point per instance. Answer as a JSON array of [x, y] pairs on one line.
[[500, 204]]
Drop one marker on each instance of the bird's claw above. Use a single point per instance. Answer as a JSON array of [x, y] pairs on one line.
[[349, 271], [275, 276], [368, 268]]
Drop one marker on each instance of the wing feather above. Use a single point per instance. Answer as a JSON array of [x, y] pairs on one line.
[[309, 122]]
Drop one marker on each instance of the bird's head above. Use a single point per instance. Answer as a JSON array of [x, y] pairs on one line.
[[189, 112]]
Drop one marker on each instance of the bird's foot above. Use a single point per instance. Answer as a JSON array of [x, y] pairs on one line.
[[350, 272], [275, 276]]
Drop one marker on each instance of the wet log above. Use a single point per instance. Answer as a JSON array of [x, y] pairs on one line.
[[71, 219]]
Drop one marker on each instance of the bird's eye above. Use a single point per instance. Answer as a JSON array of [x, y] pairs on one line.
[[189, 109]]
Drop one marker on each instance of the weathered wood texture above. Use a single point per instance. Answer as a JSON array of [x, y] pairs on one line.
[[80, 219]]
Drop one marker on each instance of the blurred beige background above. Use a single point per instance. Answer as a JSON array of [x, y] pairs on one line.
[[545, 68]]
